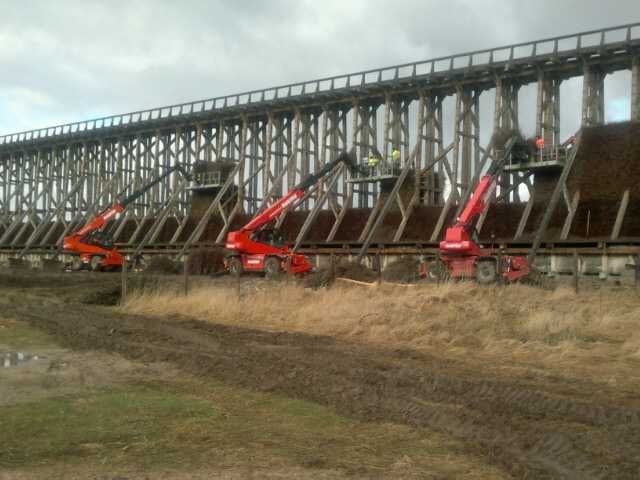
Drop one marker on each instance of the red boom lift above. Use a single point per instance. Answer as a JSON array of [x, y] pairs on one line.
[[257, 248], [92, 245], [460, 254]]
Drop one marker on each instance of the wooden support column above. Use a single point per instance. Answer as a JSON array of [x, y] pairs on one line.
[[548, 110], [622, 210], [506, 119], [506, 107], [553, 202], [467, 130], [592, 95], [576, 271], [525, 216], [123, 279], [384, 206], [572, 208], [635, 89], [324, 195], [213, 206], [239, 205]]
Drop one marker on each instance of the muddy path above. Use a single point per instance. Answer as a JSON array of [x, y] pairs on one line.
[[534, 428]]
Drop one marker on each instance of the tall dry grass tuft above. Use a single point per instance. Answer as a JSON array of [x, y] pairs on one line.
[[459, 318]]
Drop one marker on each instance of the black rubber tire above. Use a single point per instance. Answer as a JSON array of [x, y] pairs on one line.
[[437, 272], [433, 272], [138, 264], [95, 264], [76, 264], [272, 267], [486, 272], [234, 264]]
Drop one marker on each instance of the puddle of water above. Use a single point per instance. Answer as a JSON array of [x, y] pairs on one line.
[[14, 359]]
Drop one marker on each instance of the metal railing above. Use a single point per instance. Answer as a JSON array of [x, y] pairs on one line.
[[381, 171], [539, 49], [530, 156], [208, 179]]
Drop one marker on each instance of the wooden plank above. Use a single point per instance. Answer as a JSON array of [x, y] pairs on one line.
[[371, 219], [622, 210], [572, 207], [311, 216], [406, 215], [525, 216], [411, 162], [197, 232], [341, 215], [553, 203]]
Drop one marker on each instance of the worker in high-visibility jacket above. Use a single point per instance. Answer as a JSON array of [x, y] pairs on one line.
[[374, 160], [539, 146], [395, 161]]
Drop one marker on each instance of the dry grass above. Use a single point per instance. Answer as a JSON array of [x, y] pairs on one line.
[[514, 323]]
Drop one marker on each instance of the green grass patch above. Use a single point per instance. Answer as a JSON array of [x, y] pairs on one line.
[[20, 335], [116, 426], [309, 434], [271, 429], [158, 426]]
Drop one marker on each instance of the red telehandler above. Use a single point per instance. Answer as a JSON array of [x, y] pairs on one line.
[[258, 248], [460, 254], [92, 245]]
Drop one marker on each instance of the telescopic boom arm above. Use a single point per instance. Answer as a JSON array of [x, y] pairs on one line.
[[106, 215], [296, 193], [478, 201]]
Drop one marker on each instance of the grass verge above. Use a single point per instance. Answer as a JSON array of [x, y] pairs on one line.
[[559, 329], [20, 336], [195, 426]]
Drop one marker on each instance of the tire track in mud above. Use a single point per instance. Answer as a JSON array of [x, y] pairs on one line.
[[532, 434]]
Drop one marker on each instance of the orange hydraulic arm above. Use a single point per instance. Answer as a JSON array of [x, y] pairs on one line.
[[460, 252], [95, 248], [295, 194], [250, 246], [478, 200], [100, 220]]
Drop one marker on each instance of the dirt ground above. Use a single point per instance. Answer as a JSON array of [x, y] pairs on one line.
[[488, 420]]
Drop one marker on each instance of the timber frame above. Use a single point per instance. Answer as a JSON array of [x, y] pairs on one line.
[[53, 179]]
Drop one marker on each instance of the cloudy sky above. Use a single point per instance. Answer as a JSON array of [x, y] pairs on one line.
[[71, 60]]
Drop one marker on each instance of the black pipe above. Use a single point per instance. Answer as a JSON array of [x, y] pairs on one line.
[[312, 178], [138, 193]]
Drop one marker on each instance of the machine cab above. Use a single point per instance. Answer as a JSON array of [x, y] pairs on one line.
[[99, 238], [269, 236]]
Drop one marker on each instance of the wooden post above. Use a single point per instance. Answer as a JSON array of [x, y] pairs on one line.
[[637, 272], [635, 88], [186, 274], [379, 264], [332, 268], [576, 266], [124, 280]]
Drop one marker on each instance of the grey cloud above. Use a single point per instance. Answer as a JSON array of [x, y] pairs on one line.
[[68, 60]]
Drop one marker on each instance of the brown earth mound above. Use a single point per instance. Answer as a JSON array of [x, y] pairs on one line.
[[606, 163], [163, 264], [108, 296], [404, 270], [206, 261], [19, 264], [52, 265], [343, 269]]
